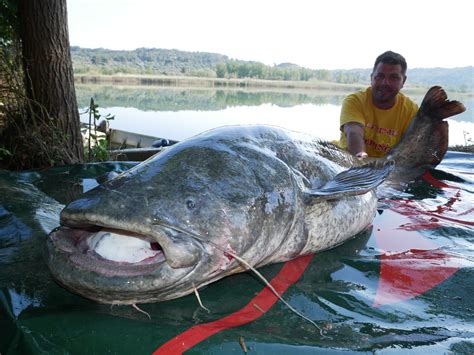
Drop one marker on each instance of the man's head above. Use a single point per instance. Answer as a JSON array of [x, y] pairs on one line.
[[392, 58], [387, 78]]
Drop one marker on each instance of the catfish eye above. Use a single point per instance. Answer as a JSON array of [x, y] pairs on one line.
[[190, 204]]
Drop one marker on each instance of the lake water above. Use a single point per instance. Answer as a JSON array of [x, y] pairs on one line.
[[178, 113]]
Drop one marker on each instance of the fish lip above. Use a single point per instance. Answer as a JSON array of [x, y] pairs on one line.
[[114, 283], [73, 243], [186, 250], [180, 248]]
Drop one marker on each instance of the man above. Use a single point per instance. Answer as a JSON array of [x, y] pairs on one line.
[[374, 120]]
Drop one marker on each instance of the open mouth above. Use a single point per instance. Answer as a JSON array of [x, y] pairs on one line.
[[121, 248], [114, 245], [108, 251]]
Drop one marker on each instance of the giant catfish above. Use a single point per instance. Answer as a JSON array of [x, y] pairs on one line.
[[173, 223]]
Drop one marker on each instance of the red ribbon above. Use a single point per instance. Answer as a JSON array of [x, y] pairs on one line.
[[288, 275]]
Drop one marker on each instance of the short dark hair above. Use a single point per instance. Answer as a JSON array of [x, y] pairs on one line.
[[392, 58]]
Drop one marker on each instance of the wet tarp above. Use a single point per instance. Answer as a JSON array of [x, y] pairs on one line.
[[405, 283]]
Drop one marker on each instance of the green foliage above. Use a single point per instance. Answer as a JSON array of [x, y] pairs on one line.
[[180, 63], [8, 21], [145, 61], [452, 79], [221, 70], [174, 62], [30, 137], [97, 144], [99, 151], [4, 153]]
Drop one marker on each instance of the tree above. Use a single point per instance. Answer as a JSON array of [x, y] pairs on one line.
[[46, 131], [48, 66], [221, 70]]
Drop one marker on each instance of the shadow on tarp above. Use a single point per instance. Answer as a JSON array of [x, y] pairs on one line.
[[338, 290]]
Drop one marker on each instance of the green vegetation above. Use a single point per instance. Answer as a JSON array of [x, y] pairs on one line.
[[96, 141], [8, 22], [25, 135], [462, 148], [39, 121], [175, 63], [209, 65]]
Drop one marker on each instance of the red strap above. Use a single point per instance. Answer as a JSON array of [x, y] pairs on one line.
[[435, 182], [289, 274]]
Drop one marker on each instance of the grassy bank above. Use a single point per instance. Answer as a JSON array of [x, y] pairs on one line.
[[218, 83], [322, 87], [462, 148]]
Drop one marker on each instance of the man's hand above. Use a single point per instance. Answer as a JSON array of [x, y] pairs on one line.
[[361, 155], [355, 139]]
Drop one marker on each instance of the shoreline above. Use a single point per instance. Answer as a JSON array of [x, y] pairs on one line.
[[221, 83], [462, 148], [176, 81]]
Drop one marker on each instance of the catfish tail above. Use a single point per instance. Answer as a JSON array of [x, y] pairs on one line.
[[425, 143], [437, 106]]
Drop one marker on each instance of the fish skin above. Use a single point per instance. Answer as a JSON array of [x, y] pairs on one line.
[[239, 187], [256, 191], [425, 143]]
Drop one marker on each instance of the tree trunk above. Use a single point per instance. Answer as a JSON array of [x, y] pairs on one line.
[[49, 76]]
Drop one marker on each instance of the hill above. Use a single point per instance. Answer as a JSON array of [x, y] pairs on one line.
[[174, 62]]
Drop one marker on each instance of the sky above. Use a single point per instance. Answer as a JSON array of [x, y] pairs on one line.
[[329, 34]]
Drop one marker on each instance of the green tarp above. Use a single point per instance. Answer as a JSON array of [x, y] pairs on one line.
[[404, 284]]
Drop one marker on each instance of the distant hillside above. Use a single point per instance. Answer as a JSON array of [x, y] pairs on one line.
[[460, 78], [288, 65], [145, 61], [175, 62], [456, 79]]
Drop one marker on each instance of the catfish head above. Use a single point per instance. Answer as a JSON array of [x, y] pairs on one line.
[[160, 229]]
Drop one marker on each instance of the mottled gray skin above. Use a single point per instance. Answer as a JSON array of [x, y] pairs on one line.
[[249, 190], [426, 141], [242, 188]]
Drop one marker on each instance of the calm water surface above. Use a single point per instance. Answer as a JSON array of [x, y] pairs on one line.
[[178, 113]]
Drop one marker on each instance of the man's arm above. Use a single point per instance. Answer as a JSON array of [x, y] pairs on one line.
[[355, 139]]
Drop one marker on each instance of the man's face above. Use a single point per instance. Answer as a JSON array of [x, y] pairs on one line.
[[386, 80]]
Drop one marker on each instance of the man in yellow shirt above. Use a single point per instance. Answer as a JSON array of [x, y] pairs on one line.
[[374, 120]]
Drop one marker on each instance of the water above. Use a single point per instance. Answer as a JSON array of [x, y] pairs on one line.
[[405, 284], [178, 113]]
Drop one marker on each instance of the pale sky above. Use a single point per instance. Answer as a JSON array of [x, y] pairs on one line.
[[329, 34]]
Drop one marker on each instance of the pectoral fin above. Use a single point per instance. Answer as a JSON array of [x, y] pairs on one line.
[[354, 181]]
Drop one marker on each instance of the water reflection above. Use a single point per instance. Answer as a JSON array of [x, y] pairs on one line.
[[155, 98], [20, 301], [178, 113]]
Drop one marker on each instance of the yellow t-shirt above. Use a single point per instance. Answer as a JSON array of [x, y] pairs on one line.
[[382, 128]]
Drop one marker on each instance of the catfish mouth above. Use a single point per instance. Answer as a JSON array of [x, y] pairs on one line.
[[108, 251], [113, 247]]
